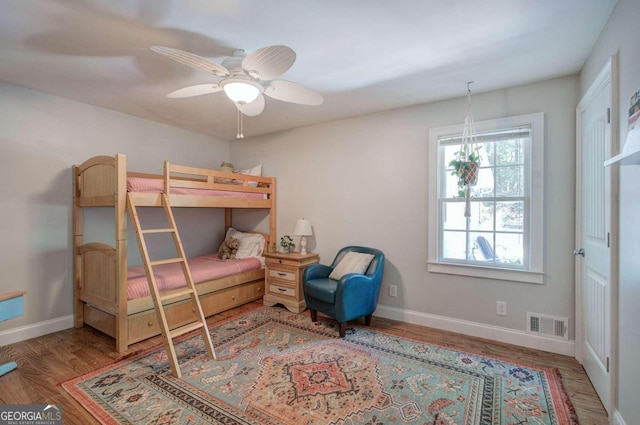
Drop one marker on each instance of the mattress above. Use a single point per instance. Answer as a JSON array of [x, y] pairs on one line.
[[170, 276], [149, 185]]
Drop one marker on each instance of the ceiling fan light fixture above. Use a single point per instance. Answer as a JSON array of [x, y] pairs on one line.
[[241, 91], [244, 79]]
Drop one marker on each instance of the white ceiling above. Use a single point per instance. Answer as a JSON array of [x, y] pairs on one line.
[[362, 55]]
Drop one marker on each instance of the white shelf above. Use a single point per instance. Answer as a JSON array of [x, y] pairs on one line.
[[633, 158], [630, 153]]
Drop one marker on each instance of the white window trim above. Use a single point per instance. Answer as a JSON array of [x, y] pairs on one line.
[[535, 273]]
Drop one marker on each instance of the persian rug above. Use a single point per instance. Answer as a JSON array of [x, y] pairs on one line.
[[277, 367]]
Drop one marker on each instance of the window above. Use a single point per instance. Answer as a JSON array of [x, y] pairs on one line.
[[503, 237]]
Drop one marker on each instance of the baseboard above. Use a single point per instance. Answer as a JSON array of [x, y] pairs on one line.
[[617, 419], [35, 330], [480, 330]]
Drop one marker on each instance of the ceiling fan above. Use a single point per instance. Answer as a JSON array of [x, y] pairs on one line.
[[245, 78]]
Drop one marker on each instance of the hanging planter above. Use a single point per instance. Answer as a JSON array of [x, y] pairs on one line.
[[466, 164], [466, 168]]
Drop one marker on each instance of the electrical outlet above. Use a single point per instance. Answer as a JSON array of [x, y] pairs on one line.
[[393, 290], [501, 308]]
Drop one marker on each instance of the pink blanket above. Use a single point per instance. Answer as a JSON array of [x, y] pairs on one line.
[[170, 276], [148, 185]]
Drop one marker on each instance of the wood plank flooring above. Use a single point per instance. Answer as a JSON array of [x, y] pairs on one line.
[[45, 362]]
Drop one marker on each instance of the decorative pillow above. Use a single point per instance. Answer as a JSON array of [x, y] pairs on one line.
[[352, 262], [249, 244], [253, 171]]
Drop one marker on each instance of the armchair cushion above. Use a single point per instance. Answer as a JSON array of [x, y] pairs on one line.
[[322, 289], [352, 262]]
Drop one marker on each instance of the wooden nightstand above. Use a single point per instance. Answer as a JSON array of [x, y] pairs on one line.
[[283, 279]]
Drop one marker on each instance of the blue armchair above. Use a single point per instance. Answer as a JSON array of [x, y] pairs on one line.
[[354, 295]]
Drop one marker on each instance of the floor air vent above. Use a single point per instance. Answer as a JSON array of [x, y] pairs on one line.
[[557, 327]]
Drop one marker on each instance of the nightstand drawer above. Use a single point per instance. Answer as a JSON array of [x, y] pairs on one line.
[[290, 292], [282, 274]]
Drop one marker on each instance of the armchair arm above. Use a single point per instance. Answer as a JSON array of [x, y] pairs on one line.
[[357, 295], [354, 283], [316, 271]]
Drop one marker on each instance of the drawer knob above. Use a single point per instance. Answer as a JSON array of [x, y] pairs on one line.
[[280, 261], [193, 310], [150, 323], [233, 297], [259, 289]]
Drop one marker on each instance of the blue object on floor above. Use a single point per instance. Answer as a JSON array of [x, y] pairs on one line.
[[7, 367], [11, 305]]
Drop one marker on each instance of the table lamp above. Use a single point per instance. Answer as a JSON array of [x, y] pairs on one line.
[[303, 229]]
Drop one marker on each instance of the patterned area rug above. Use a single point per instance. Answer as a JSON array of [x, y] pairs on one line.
[[276, 367]]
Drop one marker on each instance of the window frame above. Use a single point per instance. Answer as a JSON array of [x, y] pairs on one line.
[[534, 238]]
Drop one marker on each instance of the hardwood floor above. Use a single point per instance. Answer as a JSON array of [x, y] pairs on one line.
[[45, 362]]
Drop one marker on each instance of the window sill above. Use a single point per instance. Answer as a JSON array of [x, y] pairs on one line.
[[486, 272]]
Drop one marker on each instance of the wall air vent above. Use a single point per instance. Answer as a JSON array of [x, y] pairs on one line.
[[556, 327]]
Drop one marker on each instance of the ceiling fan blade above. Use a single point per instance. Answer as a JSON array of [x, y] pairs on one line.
[[292, 92], [196, 90], [194, 61], [254, 108], [269, 62]]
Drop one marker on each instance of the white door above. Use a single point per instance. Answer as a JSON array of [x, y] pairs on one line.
[[594, 269]]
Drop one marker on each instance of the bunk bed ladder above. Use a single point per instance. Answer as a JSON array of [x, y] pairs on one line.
[[167, 333]]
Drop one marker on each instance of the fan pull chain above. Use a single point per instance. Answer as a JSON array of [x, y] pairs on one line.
[[240, 128]]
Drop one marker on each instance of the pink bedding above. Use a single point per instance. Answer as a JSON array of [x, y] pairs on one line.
[[148, 185], [170, 276]]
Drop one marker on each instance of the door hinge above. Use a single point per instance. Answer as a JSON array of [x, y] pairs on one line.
[[607, 364], [608, 115], [608, 240]]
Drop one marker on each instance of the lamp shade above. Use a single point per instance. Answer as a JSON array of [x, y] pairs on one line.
[[303, 228]]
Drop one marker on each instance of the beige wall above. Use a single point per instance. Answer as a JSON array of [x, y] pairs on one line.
[[621, 35], [364, 181], [41, 137]]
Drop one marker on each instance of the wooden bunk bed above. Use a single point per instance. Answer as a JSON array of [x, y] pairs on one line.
[[100, 270]]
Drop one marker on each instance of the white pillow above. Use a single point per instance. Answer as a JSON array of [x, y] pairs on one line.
[[249, 244], [253, 171], [352, 262]]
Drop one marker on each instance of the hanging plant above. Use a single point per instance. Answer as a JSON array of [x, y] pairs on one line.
[[466, 168], [466, 164]]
